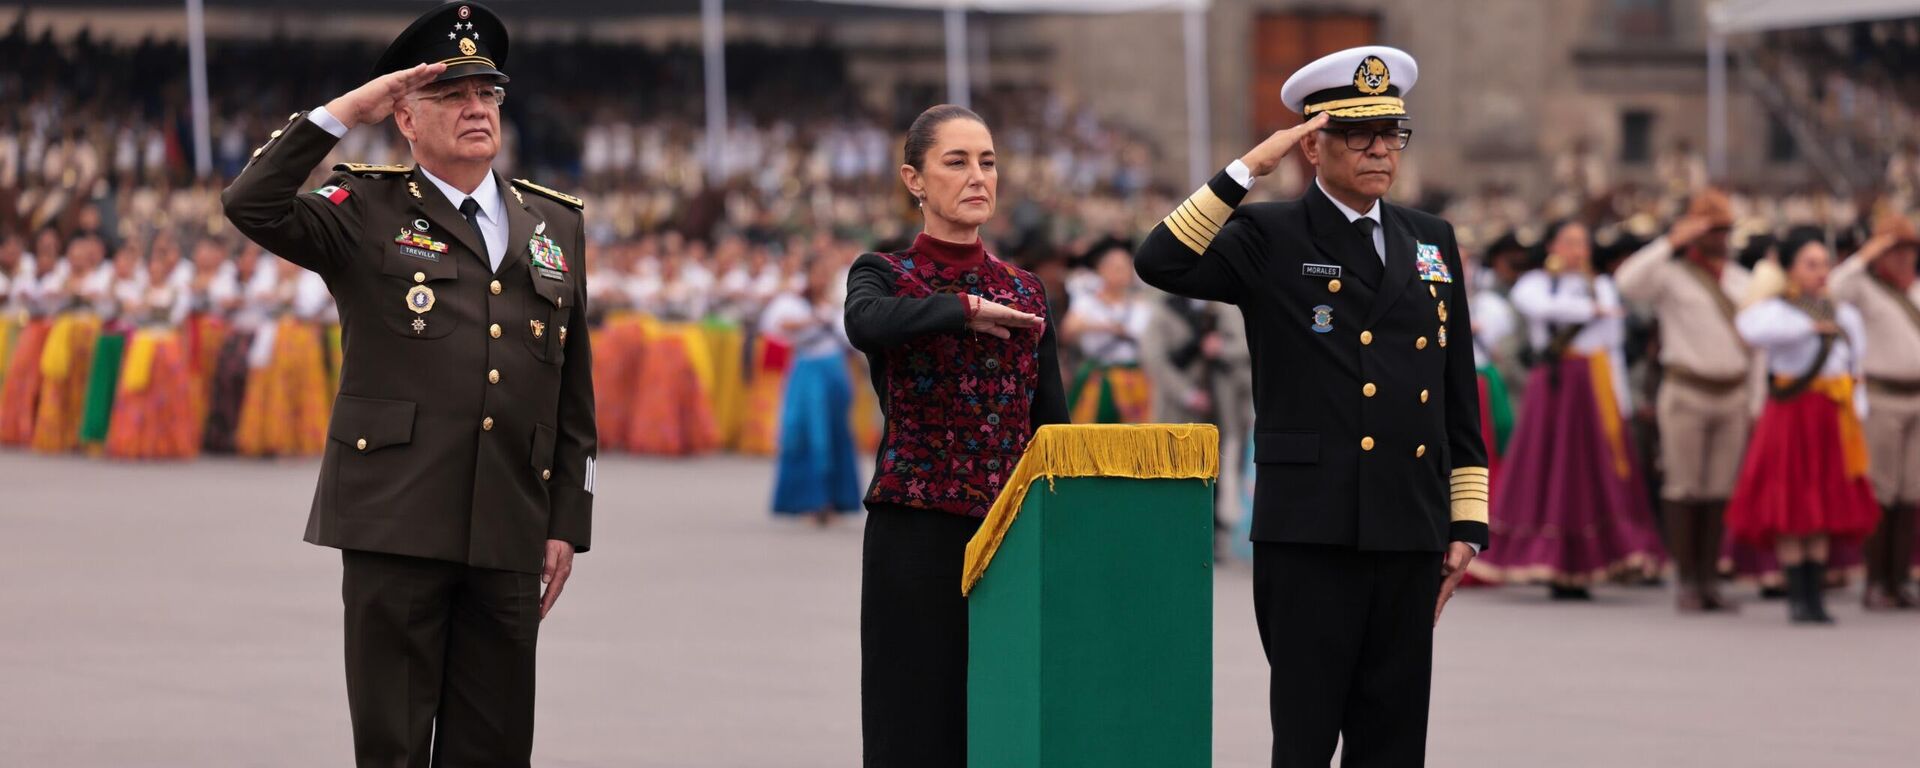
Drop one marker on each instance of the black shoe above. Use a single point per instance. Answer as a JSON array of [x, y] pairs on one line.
[[1816, 578], [1775, 593], [1558, 592]]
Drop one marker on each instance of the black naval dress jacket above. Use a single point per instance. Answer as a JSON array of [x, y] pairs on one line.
[[1367, 408], [464, 428]]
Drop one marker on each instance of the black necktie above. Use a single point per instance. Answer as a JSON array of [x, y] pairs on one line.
[[472, 210], [1366, 227]]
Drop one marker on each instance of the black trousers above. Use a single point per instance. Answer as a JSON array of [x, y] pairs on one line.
[[439, 661], [913, 638], [1349, 640]]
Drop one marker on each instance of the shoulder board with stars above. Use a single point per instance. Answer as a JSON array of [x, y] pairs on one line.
[[365, 169], [560, 196]]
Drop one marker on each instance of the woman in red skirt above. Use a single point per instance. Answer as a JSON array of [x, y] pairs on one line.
[[1804, 484]]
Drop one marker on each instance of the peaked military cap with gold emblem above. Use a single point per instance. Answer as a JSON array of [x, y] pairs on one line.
[[467, 37], [1354, 85]]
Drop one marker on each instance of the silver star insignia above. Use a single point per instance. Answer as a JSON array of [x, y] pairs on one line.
[[449, 35], [476, 35]]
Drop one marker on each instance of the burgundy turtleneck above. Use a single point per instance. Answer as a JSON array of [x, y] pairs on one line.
[[953, 255]]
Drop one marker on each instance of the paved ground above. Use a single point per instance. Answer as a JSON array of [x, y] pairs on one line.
[[170, 616]]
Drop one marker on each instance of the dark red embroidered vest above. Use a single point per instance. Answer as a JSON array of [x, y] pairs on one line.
[[958, 403]]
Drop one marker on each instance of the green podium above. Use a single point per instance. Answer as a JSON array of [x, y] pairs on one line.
[[1091, 636]]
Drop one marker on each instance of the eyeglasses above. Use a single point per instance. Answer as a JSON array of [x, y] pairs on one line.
[[456, 96], [1360, 140]]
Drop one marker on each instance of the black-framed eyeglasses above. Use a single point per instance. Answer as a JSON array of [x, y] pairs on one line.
[[454, 96], [1360, 139]]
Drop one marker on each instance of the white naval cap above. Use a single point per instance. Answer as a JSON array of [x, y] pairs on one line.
[[1353, 85]]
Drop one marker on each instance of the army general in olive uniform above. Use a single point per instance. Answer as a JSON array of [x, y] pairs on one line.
[[458, 476]]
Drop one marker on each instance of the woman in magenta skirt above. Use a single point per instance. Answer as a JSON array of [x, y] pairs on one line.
[[1804, 484], [1571, 509]]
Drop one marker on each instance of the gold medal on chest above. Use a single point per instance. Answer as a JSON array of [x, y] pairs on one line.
[[420, 299]]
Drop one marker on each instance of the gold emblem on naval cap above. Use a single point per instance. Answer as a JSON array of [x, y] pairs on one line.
[[1372, 76], [466, 47]]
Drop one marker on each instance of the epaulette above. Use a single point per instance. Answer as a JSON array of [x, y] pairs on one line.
[[365, 169], [560, 196]]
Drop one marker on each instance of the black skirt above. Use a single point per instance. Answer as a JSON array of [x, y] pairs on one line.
[[913, 638]]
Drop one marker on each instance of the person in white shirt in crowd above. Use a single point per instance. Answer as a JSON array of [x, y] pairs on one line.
[[1107, 324], [1571, 509], [1803, 487]]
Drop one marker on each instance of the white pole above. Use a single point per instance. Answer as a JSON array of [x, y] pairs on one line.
[[1199, 113], [959, 89], [197, 83], [1717, 105], [713, 40]]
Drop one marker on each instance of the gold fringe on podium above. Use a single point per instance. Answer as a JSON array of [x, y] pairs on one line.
[[1132, 451]]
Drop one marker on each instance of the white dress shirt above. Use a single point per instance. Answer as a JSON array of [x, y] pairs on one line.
[[493, 209]]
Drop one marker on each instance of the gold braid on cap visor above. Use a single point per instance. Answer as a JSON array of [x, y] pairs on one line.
[[1367, 106], [468, 60]]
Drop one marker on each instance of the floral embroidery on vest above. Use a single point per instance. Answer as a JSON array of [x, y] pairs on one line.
[[958, 403]]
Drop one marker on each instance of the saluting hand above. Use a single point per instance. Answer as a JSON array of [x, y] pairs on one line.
[[1263, 159], [373, 102], [995, 319], [1875, 246], [1453, 571], [1686, 229]]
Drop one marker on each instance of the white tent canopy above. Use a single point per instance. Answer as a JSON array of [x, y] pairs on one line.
[[1736, 16]]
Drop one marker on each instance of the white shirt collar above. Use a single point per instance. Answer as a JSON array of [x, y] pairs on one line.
[[1351, 214], [487, 195]]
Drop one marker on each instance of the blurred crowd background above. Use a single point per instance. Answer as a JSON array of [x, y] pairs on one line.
[[114, 247]]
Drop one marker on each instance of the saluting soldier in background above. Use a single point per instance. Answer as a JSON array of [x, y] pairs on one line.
[[1371, 497], [458, 474]]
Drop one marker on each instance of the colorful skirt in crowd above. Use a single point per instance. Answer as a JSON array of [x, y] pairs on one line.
[[11, 326], [671, 412], [818, 467], [65, 363], [201, 342], [1111, 394], [284, 410], [759, 424], [20, 390], [1571, 506], [726, 383], [1496, 410], [154, 411], [1805, 473], [618, 346], [103, 385], [227, 392]]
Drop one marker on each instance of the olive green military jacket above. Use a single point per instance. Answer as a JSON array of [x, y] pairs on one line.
[[464, 427]]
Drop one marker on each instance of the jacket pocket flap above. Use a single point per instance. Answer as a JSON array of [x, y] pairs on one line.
[[543, 439], [554, 292], [368, 424], [1286, 448], [406, 262]]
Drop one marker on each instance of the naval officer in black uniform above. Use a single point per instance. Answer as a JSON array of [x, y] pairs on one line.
[[458, 476], [1371, 494]]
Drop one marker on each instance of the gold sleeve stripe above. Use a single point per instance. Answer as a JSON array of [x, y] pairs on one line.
[[1193, 243], [1470, 494], [1193, 225], [1199, 215]]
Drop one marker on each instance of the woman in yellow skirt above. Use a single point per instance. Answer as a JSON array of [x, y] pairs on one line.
[[1107, 325], [284, 412], [79, 286], [20, 383], [153, 413]]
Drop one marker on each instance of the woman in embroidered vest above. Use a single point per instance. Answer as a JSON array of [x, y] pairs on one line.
[[962, 356], [1804, 485], [1572, 509]]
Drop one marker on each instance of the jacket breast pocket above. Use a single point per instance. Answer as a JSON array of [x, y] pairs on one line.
[[371, 469], [1286, 448], [413, 282], [549, 310]]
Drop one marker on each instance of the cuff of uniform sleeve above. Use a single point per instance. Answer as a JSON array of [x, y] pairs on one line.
[[1241, 173], [1229, 188], [327, 122], [1473, 533], [953, 314]]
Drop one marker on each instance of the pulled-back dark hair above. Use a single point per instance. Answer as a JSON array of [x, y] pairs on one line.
[[1797, 238], [920, 134]]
